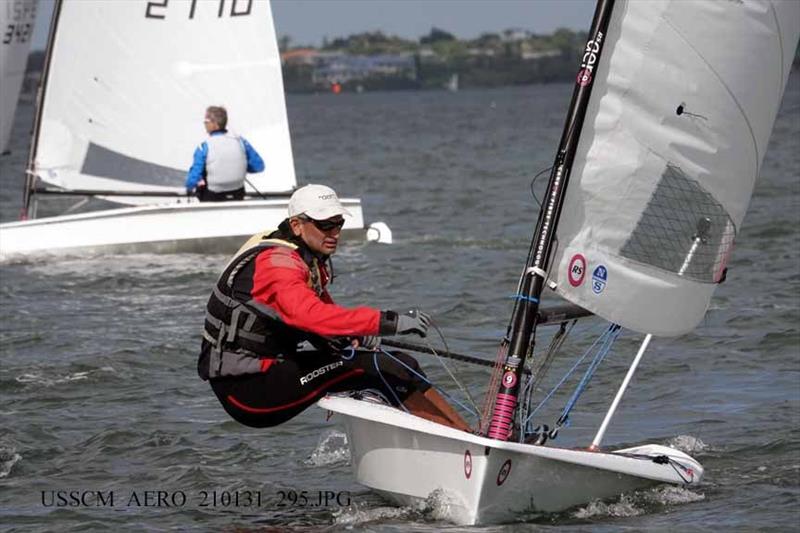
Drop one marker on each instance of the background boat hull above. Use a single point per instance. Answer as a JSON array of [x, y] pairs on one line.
[[214, 227]]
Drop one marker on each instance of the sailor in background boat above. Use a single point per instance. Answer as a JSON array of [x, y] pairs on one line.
[[221, 162], [275, 342]]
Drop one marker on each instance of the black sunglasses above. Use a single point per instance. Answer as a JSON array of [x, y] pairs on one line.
[[325, 225]]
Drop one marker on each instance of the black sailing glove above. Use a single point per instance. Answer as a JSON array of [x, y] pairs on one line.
[[412, 321]]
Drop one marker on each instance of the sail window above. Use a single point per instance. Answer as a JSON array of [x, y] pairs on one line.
[[103, 162], [683, 230]]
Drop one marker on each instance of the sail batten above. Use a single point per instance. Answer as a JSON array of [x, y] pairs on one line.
[[129, 82], [675, 133]]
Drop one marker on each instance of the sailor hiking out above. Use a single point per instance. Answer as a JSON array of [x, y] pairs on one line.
[[274, 341]]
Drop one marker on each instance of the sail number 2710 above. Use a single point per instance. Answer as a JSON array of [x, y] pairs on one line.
[[158, 9]]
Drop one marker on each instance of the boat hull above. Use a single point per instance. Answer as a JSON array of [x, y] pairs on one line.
[[210, 227], [482, 481]]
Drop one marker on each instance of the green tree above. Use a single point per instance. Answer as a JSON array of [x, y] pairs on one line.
[[437, 35]]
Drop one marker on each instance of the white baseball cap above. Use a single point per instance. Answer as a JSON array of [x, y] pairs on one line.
[[316, 201]]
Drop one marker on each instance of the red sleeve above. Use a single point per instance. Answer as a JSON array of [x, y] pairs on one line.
[[280, 281]]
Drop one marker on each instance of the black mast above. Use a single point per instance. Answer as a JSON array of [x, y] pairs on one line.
[[523, 319], [30, 176]]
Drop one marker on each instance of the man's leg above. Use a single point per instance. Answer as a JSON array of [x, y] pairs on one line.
[[237, 194], [289, 387], [405, 377]]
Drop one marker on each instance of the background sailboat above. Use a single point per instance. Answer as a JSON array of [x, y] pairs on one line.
[[120, 113], [16, 30], [663, 152], [452, 83]]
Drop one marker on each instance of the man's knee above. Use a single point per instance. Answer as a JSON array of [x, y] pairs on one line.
[[407, 362]]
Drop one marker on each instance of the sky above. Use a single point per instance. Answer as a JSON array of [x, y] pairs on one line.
[[307, 22]]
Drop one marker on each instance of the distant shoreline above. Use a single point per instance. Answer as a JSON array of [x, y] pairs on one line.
[[373, 61]]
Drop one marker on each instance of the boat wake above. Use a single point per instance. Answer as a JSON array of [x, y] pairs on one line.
[[437, 507], [36, 378], [359, 515], [625, 507], [331, 449], [639, 503]]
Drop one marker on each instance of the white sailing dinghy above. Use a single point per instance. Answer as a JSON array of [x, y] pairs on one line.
[[119, 116], [672, 110], [16, 31]]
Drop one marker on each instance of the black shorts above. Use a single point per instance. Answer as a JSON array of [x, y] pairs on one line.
[[204, 194], [294, 383]]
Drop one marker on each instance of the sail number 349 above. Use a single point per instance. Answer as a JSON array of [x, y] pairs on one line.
[[17, 33]]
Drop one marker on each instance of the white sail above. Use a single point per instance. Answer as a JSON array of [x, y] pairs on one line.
[[129, 83], [681, 112], [16, 30]]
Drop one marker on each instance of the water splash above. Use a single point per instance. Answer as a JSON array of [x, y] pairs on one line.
[[8, 458], [358, 515], [331, 449], [673, 495], [687, 444], [439, 506], [625, 507]]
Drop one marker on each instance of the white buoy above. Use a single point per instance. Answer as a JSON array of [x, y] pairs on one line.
[[379, 232]]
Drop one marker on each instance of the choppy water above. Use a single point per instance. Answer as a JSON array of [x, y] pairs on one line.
[[98, 390]]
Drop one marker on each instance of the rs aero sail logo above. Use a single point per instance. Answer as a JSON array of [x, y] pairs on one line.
[[577, 270], [589, 60]]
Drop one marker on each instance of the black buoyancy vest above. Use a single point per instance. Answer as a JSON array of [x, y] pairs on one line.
[[240, 332]]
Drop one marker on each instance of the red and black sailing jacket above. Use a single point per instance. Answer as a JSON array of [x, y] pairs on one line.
[[271, 297]]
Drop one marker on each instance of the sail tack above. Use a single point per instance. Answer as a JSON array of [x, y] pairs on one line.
[[16, 30], [129, 83], [682, 109]]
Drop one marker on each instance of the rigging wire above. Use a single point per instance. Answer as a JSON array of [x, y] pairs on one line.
[[491, 391], [612, 330], [544, 363], [422, 378], [533, 183], [613, 333], [452, 375], [538, 373], [530, 248]]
